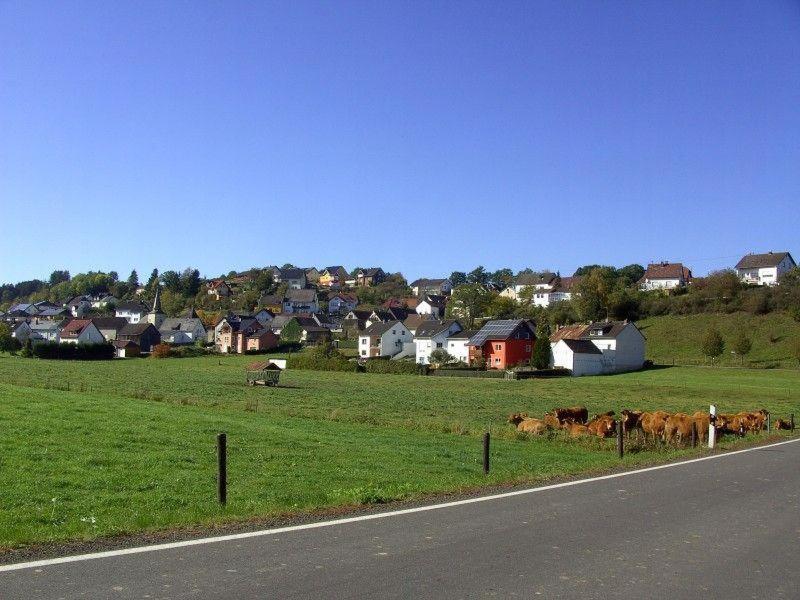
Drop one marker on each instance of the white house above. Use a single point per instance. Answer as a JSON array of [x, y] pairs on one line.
[[439, 287], [383, 339], [45, 330], [665, 276], [342, 303], [79, 305], [103, 300], [432, 304], [179, 331], [764, 269], [613, 347], [297, 300], [133, 312], [81, 331], [457, 345], [294, 278], [432, 335]]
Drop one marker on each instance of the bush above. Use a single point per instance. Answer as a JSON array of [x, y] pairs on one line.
[[400, 367], [64, 351], [311, 362], [161, 351], [712, 343]]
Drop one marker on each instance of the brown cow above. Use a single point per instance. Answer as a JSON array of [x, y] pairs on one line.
[[701, 421], [575, 429], [517, 418], [527, 424], [630, 420], [577, 414], [653, 423], [724, 423], [782, 424], [678, 426], [602, 426], [552, 421]]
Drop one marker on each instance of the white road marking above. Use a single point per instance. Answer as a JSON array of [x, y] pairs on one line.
[[395, 513]]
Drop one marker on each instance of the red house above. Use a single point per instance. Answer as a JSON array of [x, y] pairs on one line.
[[503, 343]]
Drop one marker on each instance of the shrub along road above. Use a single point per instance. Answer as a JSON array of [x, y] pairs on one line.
[[724, 527]]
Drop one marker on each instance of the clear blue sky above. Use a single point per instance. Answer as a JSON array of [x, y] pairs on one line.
[[422, 137]]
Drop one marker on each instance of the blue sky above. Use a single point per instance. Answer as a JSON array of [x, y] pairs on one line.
[[419, 136]]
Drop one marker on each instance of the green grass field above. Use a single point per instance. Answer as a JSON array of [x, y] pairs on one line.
[[94, 449], [678, 338]]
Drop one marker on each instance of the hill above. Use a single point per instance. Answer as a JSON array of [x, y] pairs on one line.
[[677, 338]]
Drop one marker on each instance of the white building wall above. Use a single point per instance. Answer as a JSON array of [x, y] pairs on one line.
[[458, 349]]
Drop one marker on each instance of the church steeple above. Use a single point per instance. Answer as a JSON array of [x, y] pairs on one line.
[[157, 301], [155, 316]]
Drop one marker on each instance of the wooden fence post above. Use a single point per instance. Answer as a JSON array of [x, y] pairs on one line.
[[486, 438], [620, 442], [222, 468]]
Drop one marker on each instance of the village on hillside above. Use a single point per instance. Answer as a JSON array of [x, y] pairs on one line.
[[479, 320]]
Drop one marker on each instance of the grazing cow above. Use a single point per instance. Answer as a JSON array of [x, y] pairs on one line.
[[552, 421], [517, 418], [630, 420], [577, 414], [576, 429], [754, 421], [653, 423], [724, 423], [678, 426], [602, 426], [782, 424], [701, 421]]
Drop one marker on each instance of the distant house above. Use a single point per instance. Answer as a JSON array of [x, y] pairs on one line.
[[126, 349], [503, 343], [537, 281], [300, 300], [278, 324], [342, 303], [665, 276], [333, 277], [81, 331], [264, 316], [78, 305], [764, 269], [109, 326], [414, 320], [370, 277], [261, 339], [144, 335], [133, 312], [232, 333], [563, 290], [103, 300], [355, 321], [383, 339], [218, 288], [182, 330], [22, 332], [607, 347], [432, 305], [312, 274], [24, 309], [438, 287], [457, 345], [272, 302], [294, 278], [313, 334], [45, 330], [432, 335]]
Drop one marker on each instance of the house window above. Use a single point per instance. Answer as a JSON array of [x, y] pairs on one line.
[[528, 348], [364, 340], [394, 332], [496, 360], [498, 347], [438, 344], [363, 353]]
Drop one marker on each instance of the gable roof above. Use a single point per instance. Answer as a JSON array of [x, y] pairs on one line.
[[592, 331], [361, 315], [414, 320], [115, 323], [131, 307], [464, 334], [75, 328], [425, 282], [666, 270], [292, 274], [381, 328], [545, 277], [180, 324], [135, 329], [435, 300], [582, 346], [761, 261], [499, 329], [301, 295], [431, 328], [270, 299], [371, 272]]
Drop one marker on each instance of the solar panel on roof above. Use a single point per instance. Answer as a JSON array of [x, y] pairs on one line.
[[494, 329]]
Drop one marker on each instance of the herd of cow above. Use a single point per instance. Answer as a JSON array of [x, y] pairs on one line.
[[657, 424]]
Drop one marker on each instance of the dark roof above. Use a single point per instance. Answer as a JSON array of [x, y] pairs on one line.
[[361, 315], [665, 270], [535, 278], [601, 330], [131, 307], [464, 334], [398, 313], [135, 329], [270, 299], [435, 327], [499, 329], [424, 282], [180, 324], [125, 344], [414, 320], [75, 327], [371, 272], [582, 346], [116, 323], [301, 295], [436, 300], [380, 328], [77, 300], [292, 274], [760, 261]]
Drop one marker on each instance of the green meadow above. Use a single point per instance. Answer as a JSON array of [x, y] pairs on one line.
[[102, 448]]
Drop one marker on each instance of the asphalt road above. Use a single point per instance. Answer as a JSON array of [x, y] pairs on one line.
[[722, 528]]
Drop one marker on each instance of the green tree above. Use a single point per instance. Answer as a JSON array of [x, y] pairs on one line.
[[502, 277], [712, 344], [57, 277], [742, 345], [794, 347], [631, 274], [440, 356], [291, 332], [469, 302], [502, 307], [594, 290], [478, 275], [153, 281], [8, 343], [541, 349], [458, 278], [133, 280]]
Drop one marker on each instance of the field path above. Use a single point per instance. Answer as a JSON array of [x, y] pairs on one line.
[[727, 525]]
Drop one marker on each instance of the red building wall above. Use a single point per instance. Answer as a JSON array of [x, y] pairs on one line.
[[509, 352]]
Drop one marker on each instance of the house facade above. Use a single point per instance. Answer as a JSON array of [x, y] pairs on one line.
[[370, 277], [665, 276], [81, 331], [132, 312], [342, 303], [457, 345], [144, 335], [383, 339], [300, 301], [433, 335], [764, 269], [620, 344], [439, 287], [294, 278], [182, 331], [503, 343], [432, 305], [333, 277]]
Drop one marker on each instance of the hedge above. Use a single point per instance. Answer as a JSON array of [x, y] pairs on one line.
[[312, 363], [65, 351], [468, 373], [378, 365]]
